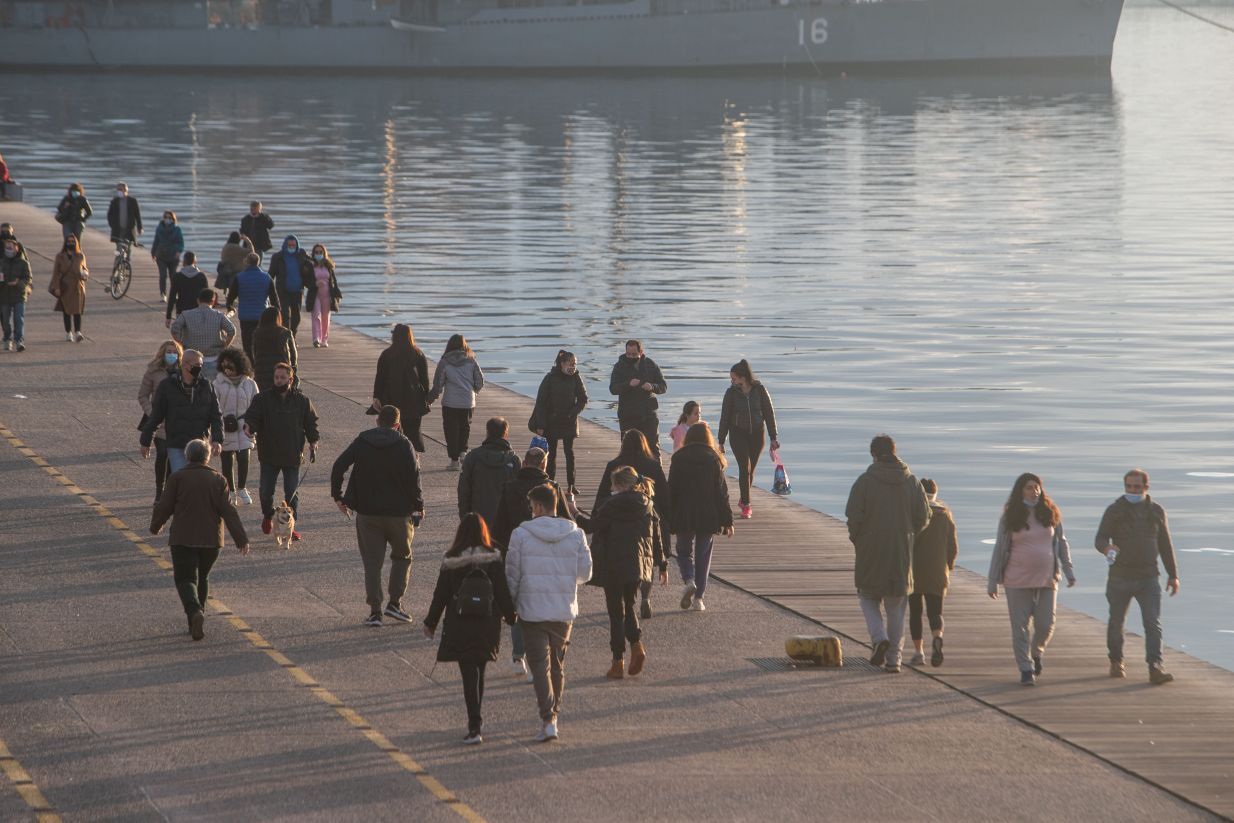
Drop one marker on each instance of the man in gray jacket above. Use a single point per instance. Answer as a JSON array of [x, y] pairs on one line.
[[1132, 534], [887, 509], [547, 560]]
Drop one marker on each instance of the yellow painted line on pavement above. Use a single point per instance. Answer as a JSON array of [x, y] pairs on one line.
[[25, 786], [351, 716]]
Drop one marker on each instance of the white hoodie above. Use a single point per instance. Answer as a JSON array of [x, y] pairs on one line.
[[547, 560]]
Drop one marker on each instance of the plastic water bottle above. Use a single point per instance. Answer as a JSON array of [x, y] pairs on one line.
[[1111, 555]]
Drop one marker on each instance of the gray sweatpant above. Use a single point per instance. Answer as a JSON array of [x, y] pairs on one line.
[[892, 630], [1037, 606], [546, 658], [373, 533]]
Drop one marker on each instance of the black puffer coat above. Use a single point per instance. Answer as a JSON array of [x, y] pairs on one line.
[[560, 400], [470, 639], [699, 500], [514, 508], [648, 468], [626, 540], [190, 412], [282, 422]]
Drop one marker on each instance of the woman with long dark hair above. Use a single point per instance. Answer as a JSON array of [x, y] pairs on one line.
[[456, 381], [73, 212], [68, 285], [471, 572], [699, 510], [322, 295], [402, 381], [746, 411], [272, 344], [166, 249], [560, 400], [1030, 555], [165, 361]]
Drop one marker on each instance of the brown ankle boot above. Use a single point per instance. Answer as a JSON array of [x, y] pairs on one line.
[[637, 655], [615, 671]]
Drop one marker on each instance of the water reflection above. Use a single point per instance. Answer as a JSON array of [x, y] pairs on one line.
[[989, 267]]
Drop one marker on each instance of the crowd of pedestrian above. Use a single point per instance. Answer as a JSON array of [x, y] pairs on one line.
[[523, 546]]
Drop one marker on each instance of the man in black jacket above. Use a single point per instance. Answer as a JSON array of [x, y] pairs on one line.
[[636, 380], [384, 492], [124, 215], [485, 471], [187, 403], [514, 508], [256, 226], [282, 419]]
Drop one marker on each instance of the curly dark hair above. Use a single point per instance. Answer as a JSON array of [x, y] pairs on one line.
[[238, 359], [1015, 513]]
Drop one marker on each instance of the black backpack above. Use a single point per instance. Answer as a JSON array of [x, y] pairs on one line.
[[474, 597]]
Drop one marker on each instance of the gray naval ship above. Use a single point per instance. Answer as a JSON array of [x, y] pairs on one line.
[[823, 36]]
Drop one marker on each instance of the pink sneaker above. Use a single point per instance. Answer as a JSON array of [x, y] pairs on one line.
[[747, 511]]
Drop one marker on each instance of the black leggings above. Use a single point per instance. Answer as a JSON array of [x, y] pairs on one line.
[[161, 468], [934, 611], [457, 426], [567, 447], [622, 617], [72, 322], [747, 448], [473, 693], [240, 479]]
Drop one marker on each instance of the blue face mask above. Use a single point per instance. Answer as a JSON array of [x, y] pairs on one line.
[[1133, 498], [72, 194], [319, 257], [170, 358], [1030, 501]]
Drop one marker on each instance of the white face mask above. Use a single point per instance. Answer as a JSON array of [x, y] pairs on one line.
[[121, 193]]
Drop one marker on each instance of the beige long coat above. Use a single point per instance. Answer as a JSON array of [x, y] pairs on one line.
[[68, 282]]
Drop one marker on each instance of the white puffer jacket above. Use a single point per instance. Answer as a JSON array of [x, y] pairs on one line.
[[547, 559], [234, 398]]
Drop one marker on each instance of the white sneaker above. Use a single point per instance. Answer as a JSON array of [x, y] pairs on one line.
[[244, 497], [698, 605], [687, 594], [80, 337], [547, 732], [68, 336], [519, 668], [454, 466], [233, 498]]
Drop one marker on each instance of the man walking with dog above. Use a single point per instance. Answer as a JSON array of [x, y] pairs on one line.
[[197, 503], [384, 492], [186, 402], [283, 420]]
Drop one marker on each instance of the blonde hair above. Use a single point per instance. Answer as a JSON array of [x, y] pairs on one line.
[[626, 478], [158, 357]]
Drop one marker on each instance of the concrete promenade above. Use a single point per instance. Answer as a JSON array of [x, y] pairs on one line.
[[290, 709]]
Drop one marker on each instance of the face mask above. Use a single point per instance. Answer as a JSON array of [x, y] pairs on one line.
[[1031, 501], [10, 252], [319, 257], [73, 194], [166, 221], [194, 370], [570, 369], [120, 193], [1133, 498], [170, 358], [291, 249]]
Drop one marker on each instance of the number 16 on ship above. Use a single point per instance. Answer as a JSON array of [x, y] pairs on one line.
[[816, 31]]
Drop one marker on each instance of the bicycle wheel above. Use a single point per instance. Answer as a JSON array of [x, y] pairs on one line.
[[121, 276]]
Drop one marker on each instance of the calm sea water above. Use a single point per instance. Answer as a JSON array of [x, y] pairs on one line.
[[1007, 273]]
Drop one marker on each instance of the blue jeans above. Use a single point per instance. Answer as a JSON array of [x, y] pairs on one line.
[[13, 320], [1147, 592], [176, 459], [269, 477], [694, 558]]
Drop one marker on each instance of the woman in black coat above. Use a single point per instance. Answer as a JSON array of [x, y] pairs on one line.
[[472, 641], [699, 510], [560, 400], [402, 381], [626, 543]]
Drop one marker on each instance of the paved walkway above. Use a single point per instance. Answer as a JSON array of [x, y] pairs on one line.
[[291, 709]]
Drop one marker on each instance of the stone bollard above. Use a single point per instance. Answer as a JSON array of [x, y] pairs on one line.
[[821, 651]]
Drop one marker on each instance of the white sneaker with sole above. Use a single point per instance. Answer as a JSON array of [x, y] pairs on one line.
[[547, 732], [245, 497], [473, 739], [68, 336], [519, 668], [698, 605]]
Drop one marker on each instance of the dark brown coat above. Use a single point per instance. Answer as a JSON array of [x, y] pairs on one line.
[[934, 552], [196, 500]]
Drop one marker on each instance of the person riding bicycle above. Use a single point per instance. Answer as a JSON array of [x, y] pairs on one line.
[[124, 216]]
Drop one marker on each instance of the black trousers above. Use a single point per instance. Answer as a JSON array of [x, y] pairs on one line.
[[238, 479], [473, 693], [622, 617], [934, 612], [747, 448], [291, 301], [247, 327], [72, 322], [410, 426], [457, 425], [191, 571], [161, 466], [567, 446], [649, 426]]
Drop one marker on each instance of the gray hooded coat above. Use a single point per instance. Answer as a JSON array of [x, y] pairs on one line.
[[887, 509], [456, 380]]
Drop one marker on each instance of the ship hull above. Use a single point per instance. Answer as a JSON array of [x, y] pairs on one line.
[[824, 38]]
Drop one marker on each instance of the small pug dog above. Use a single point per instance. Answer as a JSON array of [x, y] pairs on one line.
[[284, 525]]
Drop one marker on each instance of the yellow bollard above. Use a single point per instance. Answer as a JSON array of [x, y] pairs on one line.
[[821, 651]]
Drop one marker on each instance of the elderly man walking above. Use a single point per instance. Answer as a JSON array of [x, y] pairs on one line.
[[197, 503], [205, 329], [548, 558], [887, 508], [190, 408], [1132, 535], [384, 492]]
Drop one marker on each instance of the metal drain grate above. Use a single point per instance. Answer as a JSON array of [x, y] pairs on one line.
[[787, 664]]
